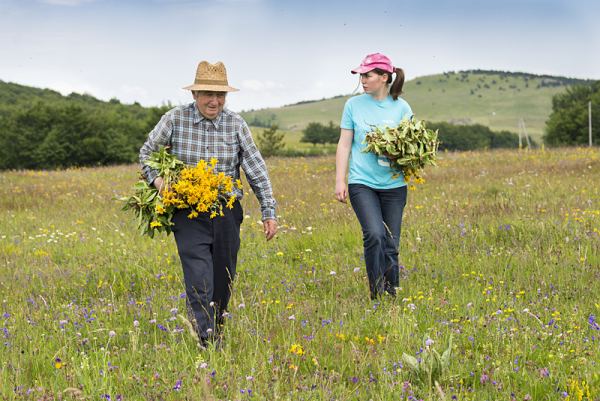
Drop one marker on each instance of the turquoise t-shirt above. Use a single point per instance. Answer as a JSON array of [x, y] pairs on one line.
[[361, 114]]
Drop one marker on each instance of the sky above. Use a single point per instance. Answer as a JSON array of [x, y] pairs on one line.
[[279, 52]]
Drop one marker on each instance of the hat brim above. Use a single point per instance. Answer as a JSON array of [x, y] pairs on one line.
[[362, 70], [213, 88]]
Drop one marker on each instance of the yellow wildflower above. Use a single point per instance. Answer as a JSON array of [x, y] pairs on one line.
[[296, 349]]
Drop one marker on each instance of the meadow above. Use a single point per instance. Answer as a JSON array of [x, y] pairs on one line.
[[500, 251]]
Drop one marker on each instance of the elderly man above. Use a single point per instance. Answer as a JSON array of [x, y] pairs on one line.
[[207, 247]]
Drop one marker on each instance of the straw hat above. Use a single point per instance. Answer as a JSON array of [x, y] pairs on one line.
[[211, 77]]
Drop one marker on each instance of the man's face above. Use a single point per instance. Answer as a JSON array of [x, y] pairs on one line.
[[209, 103]]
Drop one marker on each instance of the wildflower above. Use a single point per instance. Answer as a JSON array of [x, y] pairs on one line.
[[592, 322], [200, 189], [58, 363], [112, 333], [296, 349], [177, 385]]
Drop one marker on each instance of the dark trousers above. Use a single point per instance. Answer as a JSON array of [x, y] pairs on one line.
[[379, 212], [208, 251]]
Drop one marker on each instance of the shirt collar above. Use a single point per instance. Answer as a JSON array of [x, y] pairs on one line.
[[199, 117]]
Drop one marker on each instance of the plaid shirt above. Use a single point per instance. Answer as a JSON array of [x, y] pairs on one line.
[[192, 137]]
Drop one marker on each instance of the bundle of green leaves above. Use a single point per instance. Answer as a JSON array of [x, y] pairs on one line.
[[410, 146], [147, 204]]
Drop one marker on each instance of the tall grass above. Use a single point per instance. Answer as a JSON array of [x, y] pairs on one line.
[[500, 250]]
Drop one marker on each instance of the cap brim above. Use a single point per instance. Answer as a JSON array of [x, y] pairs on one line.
[[213, 88], [361, 70]]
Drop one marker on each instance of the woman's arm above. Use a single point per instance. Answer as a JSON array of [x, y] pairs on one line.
[[342, 156]]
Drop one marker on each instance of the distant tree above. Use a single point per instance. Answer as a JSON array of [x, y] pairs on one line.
[[313, 133], [332, 133], [316, 133], [505, 139], [270, 142], [471, 137], [568, 122]]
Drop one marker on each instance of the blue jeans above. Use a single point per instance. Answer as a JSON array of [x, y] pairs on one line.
[[379, 212]]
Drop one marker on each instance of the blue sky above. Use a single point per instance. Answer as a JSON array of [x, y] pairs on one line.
[[281, 52]]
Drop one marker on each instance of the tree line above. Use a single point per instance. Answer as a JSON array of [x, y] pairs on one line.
[[43, 129], [40, 128]]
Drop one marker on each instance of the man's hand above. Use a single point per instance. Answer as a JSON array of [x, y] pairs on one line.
[[159, 183], [270, 226]]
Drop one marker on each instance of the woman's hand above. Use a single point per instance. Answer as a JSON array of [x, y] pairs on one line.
[[341, 191]]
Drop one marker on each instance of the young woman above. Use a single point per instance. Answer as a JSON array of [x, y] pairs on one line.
[[377, 192]]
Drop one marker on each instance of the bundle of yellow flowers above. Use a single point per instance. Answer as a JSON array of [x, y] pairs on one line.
[[200, 189]]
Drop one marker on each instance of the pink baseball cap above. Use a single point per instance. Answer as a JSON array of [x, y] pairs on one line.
[[372, 61]]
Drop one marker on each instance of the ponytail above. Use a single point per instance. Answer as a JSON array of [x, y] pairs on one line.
[[396, 88]]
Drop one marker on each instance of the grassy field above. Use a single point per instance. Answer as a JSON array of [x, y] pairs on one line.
[[487, 98], [500, 251]]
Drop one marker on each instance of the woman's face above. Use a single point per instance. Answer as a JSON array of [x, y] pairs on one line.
[[373, 82]]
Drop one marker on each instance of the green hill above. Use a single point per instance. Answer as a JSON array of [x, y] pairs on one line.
[[493, 98], [40, 128]]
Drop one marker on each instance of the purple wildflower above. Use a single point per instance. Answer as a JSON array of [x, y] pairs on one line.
[[592, 322]]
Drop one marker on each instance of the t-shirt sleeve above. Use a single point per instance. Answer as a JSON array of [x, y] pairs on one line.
[[347, 122]]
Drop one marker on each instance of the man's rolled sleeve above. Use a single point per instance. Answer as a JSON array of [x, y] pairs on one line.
[[256, 171], [159, 136]]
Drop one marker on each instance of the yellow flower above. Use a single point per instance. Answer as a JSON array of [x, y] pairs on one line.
[[202, 189], [155, 224], [296, 349]]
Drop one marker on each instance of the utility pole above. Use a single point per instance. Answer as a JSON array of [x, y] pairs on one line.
[[590, 122], [523, 129]]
